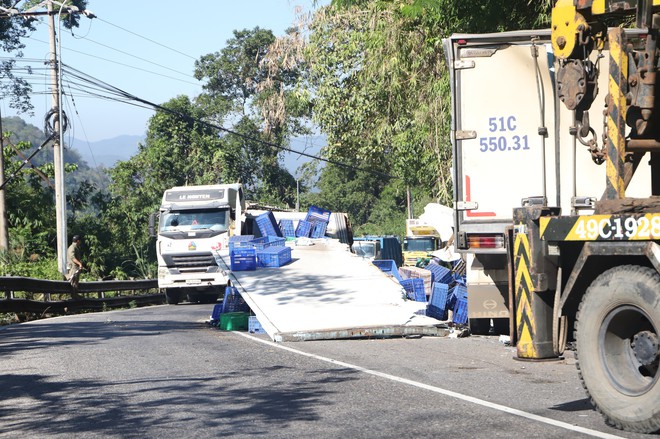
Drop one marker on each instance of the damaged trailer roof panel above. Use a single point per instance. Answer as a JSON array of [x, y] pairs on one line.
[[326, 292]]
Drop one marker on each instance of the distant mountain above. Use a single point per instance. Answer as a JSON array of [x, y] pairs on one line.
[[109, 151]]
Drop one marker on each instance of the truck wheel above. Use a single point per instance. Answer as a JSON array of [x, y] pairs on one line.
[[171, 297], [616, 332]]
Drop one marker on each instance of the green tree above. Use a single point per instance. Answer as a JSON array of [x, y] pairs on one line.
[[250, 82], [380, 85], [232, 74], [31, 208]]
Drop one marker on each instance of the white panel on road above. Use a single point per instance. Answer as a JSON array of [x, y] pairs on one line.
[[329, 292]]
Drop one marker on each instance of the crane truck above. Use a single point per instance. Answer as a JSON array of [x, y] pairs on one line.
[[556, 138], [194, 225]]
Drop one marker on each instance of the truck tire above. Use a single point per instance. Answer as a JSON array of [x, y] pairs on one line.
[[171, 297], [616, 333]]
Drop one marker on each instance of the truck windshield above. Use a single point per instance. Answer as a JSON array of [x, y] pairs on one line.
[[365, 249], [420, 244], [194, 220]]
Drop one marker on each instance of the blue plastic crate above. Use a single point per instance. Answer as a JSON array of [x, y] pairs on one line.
[[267, 225], [254, 326], [388, 266], [243, 259], [414, 289], [316, 214], [286, 226], [303, 229], [437, 306], [233, 301], [460, 291], [460, 311], [460, 278], [318, 230], [215, 314], [267, 241], [458, 302], [240, 241], [440, 273], [274, 256]]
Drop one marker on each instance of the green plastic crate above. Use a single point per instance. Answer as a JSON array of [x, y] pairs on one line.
[[234, 321]]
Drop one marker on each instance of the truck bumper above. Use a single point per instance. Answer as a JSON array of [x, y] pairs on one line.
[[199, 281]]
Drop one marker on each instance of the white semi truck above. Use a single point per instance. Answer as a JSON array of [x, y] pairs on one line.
[[194, 227]]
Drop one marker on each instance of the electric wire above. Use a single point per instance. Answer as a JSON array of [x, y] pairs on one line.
[[130, 66], [89, 86], [147, 39], [133, 56], [123, 96]]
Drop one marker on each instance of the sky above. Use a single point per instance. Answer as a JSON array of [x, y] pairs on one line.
[[144, 47]]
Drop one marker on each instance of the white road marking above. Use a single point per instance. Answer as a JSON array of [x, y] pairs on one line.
[[439, 390]]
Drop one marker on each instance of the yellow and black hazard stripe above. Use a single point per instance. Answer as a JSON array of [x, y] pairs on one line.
[[523, 296], [616, 118], [637, 227]]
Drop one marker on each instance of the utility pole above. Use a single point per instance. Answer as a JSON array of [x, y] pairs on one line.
[[58, 153], [56, 112], [4, 234]]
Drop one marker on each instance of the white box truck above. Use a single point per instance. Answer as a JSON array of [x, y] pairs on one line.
[[194, 226], [512, 147], [557, 166]]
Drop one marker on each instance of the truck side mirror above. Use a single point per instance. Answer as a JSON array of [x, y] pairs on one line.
[[152, 225]]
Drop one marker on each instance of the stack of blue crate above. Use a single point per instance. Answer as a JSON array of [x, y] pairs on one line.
[[270, 249], [242, 256], [449, 292], [314, 224]]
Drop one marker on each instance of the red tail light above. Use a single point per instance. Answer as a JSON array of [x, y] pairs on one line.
[[486, 241]]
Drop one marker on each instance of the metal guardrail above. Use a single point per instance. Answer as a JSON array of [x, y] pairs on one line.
[[12, 284]]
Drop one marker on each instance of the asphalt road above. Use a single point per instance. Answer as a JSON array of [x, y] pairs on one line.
[[163, 372]]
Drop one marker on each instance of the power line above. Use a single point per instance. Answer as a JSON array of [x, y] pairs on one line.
[[147, 39], [137, 57], [131, 66], [124, 96]]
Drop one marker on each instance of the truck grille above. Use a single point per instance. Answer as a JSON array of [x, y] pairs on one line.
[[186, 260]]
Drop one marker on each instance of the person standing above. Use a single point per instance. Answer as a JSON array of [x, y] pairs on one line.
[[74, 264]]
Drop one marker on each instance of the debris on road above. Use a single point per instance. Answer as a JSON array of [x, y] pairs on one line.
[[320, 290]]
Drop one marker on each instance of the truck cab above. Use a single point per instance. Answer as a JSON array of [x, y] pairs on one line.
[[420, 242], [376, 248], [194, 226]]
